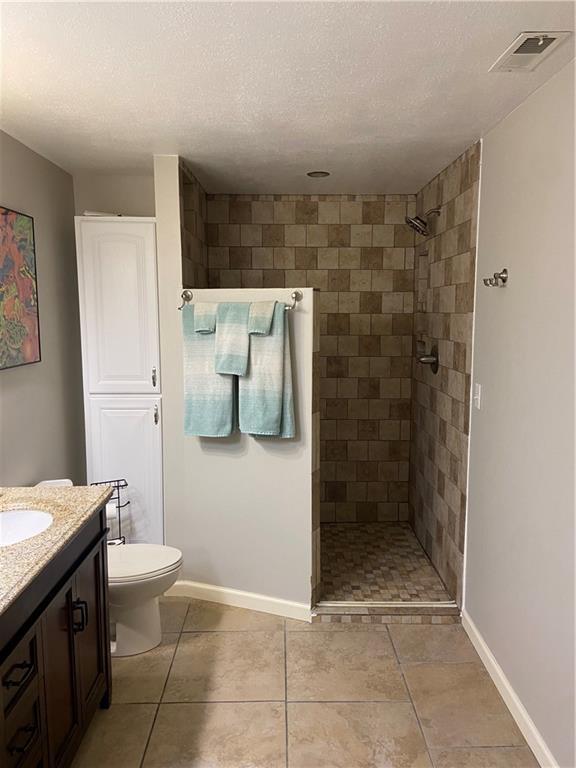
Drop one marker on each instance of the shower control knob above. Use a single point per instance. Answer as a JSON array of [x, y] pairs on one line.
[[499, 279]]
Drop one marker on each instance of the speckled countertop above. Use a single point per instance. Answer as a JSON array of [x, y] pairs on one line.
[[70, 507]]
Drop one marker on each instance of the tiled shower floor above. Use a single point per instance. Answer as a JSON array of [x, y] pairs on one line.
[[376, 562]]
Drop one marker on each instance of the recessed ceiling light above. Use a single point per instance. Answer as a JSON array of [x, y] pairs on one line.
[[317, 174]]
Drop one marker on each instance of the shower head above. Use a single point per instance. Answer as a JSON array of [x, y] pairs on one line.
[[420, 225], [417, 224]]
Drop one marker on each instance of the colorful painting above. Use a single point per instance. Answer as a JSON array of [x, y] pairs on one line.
[[19, 325]]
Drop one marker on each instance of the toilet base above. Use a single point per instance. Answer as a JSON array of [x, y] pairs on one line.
[[137, 627]]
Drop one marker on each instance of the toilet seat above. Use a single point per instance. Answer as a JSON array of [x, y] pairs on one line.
[[139, 562]]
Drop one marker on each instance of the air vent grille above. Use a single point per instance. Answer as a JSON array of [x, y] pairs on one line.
[[535, 45], [528, 51]]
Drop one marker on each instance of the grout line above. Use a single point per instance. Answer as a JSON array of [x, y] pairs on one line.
[[203, 702], [350, 701], [286, 692], [410, 695], [164, 686]]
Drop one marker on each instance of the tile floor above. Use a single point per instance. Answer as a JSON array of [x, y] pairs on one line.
[[230, 688], [376, 562]]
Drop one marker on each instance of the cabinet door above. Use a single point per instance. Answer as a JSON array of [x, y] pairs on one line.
[[63, 710], [118, 305], [92, 639], [125, 442]]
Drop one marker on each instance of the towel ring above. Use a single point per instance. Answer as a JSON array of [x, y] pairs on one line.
[[187, 296]]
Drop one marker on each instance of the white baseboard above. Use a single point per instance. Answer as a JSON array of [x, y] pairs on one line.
[[240, 599], [517, 709]]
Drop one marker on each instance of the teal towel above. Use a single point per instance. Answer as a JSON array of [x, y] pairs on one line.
[[208, 396], [205, 317], [265, 400], [260, 317], [232, 342]]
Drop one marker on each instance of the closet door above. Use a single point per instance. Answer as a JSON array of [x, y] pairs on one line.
[[125, 441], [118, 305]]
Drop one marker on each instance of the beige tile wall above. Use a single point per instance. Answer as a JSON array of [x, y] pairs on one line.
[[359, 253], [193, 218], [445, 264]]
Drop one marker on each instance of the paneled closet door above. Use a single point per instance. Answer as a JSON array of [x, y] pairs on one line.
[[125, 441], [118, 305]]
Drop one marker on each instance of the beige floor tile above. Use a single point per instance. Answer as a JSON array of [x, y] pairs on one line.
[[246, 735], [203, 616], [355, 735], [139, 679], [343, 666], [459, 706], [173, 612], [432, 643], [227, 666], [487, 757], [293, 625], [116, 737]]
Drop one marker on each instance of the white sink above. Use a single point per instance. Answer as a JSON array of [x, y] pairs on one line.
[[20, 524]]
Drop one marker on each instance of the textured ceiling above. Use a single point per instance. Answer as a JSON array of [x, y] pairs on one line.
[[381, 94]]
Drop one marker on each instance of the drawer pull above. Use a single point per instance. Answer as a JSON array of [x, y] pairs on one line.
[[31, 731], [25, 666], [82, 606]]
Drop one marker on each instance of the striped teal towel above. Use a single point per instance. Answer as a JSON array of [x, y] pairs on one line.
[[265, 401], [232, 343], [260, 317], [208, 396], [205, 317]]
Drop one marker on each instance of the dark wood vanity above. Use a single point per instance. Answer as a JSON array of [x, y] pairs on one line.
[[55, 665]]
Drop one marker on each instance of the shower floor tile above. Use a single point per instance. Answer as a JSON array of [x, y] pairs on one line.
[[377, 562]]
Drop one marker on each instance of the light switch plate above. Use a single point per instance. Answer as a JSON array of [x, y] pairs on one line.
[[477, 396]]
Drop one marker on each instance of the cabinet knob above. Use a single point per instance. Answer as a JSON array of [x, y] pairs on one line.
[[156, 415], [154, 376]]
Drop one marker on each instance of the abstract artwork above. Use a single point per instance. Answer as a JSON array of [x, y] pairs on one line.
[[19, 324]]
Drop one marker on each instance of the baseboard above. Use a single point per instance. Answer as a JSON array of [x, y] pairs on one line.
[[241, 599], [517, 709]]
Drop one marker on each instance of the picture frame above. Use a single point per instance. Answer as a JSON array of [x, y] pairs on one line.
[[19, 315]]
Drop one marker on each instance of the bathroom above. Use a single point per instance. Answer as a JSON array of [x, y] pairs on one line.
[[384, 588]]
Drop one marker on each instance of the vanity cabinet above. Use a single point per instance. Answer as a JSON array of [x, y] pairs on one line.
[[55, 670]]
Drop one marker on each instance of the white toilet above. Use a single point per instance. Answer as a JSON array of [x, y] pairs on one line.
[[137, 575]]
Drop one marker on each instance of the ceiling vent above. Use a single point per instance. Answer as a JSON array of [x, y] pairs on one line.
[[528, 51]]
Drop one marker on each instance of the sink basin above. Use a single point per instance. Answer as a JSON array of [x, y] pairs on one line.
[[21, 524]]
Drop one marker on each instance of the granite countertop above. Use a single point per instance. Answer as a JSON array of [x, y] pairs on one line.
[[70, 506]]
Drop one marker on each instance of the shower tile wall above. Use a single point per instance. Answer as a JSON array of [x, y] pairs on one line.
[[193, 218], [359, 253], [445, 266]]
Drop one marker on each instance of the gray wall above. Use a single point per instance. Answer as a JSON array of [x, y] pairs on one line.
[[519, 584], [126, 194], [41, 414]]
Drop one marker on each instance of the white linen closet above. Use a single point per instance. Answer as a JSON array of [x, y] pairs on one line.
[[118, 294]]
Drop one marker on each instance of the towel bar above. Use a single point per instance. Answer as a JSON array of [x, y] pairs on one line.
[[187, 297]]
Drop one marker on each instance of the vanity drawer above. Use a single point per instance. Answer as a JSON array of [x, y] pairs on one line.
[[23, 732], [20, 669]]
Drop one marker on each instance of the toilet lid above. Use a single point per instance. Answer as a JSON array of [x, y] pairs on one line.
[[133, 561]]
